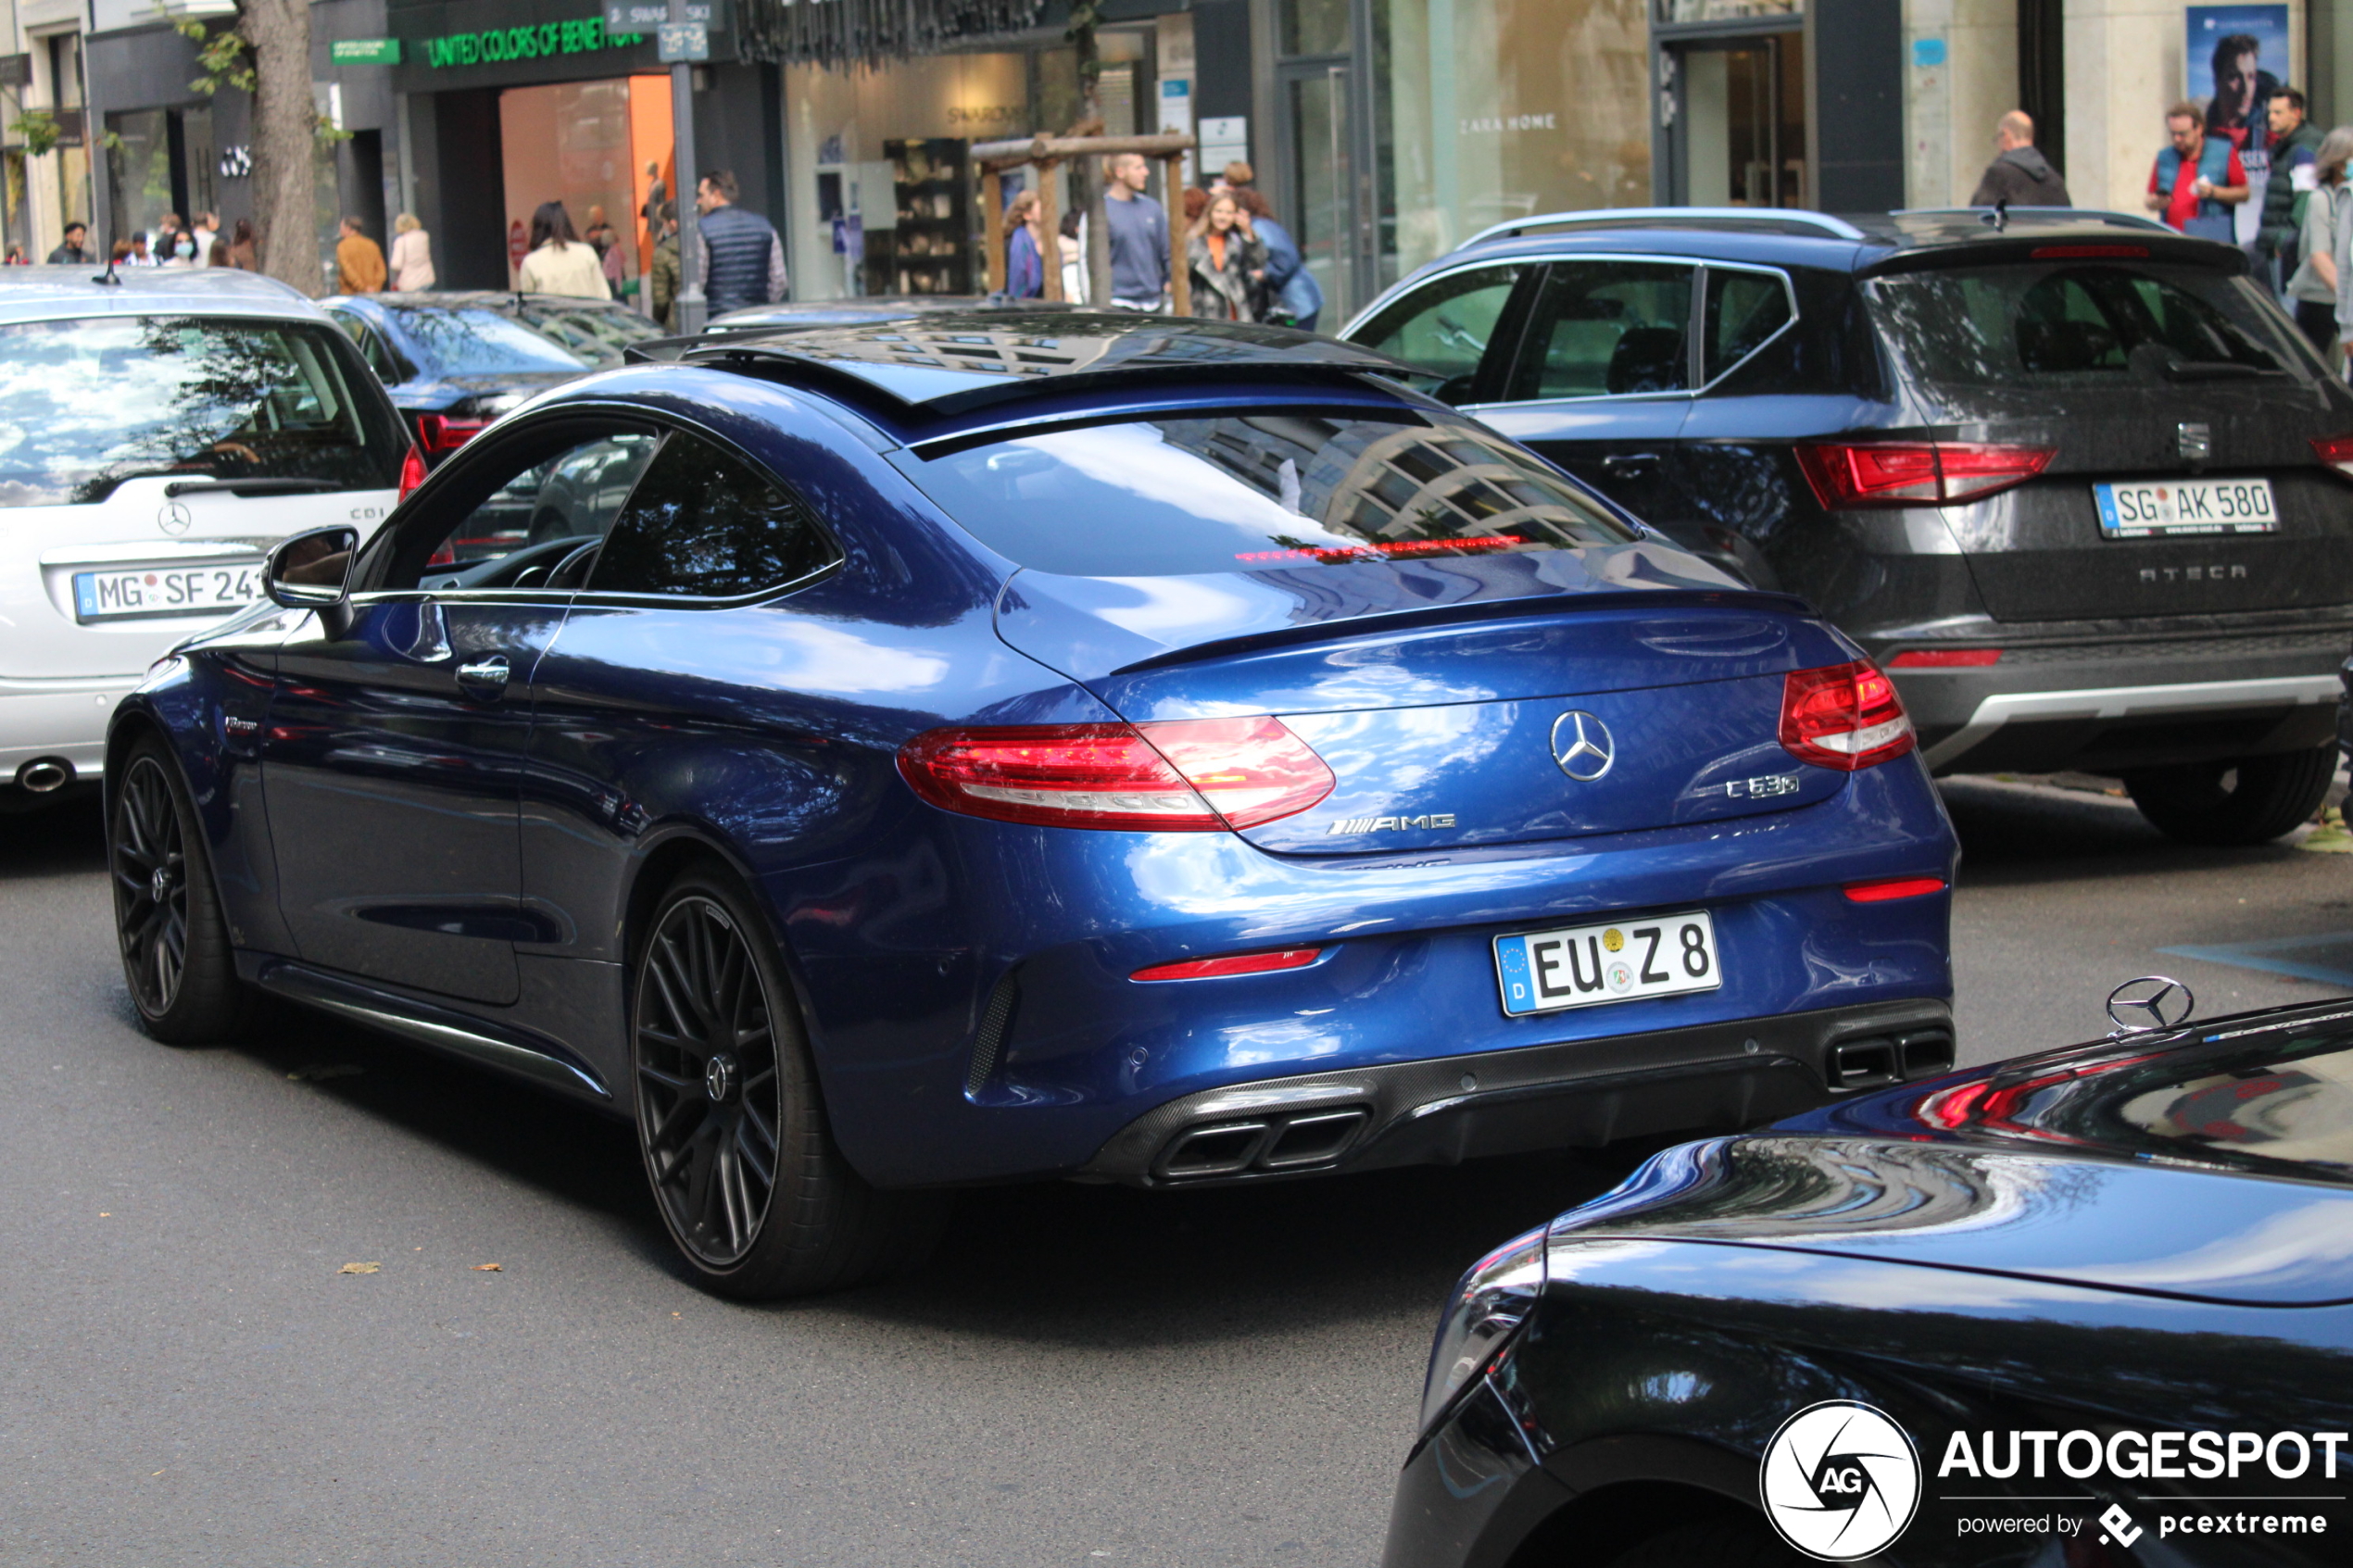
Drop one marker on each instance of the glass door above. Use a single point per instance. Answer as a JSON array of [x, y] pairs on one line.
[[1742, 131], [1318, 149]]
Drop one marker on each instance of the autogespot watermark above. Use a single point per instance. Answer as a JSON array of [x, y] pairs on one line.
[[1842, 1480]]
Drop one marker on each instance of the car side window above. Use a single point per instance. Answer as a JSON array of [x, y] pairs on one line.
[[1602, 329], [1443, 327], [705, 524], [522, 522], [1743, 309], [372, 348]]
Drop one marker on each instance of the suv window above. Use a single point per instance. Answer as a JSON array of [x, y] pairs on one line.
[[1604, 329], [2074, 324], [477, 342], [1250, 491], [380, 358], [87, 404], [1443, 326], [1743, 309], [705, 524], [520, 521]]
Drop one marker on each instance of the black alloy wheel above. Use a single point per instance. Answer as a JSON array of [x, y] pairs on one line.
[[176, 954], [709, 1099], [2250, 801], [744, 1169]]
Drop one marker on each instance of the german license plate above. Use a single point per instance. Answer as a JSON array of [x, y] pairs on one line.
[[1584, 965], [166, 590], [2186, 505]]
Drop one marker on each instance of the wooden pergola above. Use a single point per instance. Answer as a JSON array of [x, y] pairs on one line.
[[1045, 153]]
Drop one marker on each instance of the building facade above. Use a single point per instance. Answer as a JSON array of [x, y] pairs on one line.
[[1384, 133]]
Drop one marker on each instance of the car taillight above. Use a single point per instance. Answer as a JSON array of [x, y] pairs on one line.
[[1888, 888], [1912, 474], [1945, 658], [1194, 776], [1843, 716], [1236, 964], [442, 433], [2337, 451], [413, 471]]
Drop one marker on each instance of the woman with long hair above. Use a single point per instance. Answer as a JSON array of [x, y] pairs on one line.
[[244, 247], [1223, 255], [2312, 290], [1289, 295], [1025, 255], [561, 262]]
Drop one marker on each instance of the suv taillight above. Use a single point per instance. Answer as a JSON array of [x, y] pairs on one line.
[[2337, 451], [1194, 776], [1844, 716], [413, 471], [1913, 473]]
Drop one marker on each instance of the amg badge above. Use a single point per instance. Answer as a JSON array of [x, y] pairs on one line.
[[1386, 824]]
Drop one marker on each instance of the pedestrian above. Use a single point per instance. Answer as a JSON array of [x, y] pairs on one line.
[[599, 233], [1138, 229], [1236, 176], [1293, 297], [72, 253], [2197, 179], [412, 260], [661, 282], [206, 234], [133, 252], [245, 248], [16, 257], [2019, 174], [657, 197], [742, 260], [1024, 258], [360, 263], [1222, 256], [2295, 144], [159, 245], [559, 262], [1071, 245], [2312, 290]]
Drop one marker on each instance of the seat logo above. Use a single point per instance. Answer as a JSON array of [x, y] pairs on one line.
[[1581, 745], [1839, 1481]]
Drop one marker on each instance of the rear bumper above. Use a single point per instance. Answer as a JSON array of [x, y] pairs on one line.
[[1715, 1077], [62, 719]]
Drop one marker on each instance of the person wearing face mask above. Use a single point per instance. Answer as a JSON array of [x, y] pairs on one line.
[[178, 250]]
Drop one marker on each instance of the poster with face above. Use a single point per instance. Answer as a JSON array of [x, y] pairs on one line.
[[2237, 58]]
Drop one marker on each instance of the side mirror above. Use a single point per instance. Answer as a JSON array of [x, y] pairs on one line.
[[312, 572]]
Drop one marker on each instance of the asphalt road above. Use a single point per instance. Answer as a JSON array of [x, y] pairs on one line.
[[1084, 1376]]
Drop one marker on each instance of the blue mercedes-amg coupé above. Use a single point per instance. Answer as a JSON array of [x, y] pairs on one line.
[[1094, 746]]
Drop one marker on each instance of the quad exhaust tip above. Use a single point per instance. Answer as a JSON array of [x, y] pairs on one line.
[[45, 775], [1270, 1144], [1879, 1059]]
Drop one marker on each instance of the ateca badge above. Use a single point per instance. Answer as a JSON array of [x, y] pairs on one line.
[[1839, 1481]]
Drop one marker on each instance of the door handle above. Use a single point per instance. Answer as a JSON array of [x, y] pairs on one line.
[[485, 678], [1626, 465]]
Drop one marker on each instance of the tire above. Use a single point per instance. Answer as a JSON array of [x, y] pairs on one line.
[[1721, 1543], [176, 955], [2253, 800], [754, 1194]]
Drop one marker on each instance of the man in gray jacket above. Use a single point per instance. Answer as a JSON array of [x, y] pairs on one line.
[[2020, 176]]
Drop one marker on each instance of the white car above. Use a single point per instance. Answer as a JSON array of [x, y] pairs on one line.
[[158, 434]]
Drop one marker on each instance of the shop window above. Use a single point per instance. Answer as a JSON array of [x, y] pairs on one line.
[[1608, 329]]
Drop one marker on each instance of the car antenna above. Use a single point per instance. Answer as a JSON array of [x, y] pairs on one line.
[[108, 277], [2001, 218]]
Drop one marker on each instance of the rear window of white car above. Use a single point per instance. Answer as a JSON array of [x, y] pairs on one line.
[[87, 404]]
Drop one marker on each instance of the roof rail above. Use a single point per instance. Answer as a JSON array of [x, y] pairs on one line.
[[2080, 214], [1837, 228]]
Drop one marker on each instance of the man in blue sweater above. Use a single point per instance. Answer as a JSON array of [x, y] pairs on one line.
[[1138, 227]]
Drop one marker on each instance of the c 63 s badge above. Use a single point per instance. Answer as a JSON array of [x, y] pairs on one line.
[[1762, 787], [1392, 824]]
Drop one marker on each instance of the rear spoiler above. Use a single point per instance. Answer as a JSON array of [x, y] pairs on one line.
[[2001, 248]]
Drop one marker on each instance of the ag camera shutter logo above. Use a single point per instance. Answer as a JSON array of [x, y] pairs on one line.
[[1839, 1481]]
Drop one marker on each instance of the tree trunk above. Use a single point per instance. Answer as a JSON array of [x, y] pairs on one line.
[[286, 123], [1087, 176]]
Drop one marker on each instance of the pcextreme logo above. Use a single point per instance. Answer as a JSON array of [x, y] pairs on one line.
[[1839, 1481]]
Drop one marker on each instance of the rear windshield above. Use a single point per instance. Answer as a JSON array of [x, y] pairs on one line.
[[2061, 324], [1245, 491], [85, 405], [598, 336], [475, 343]]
